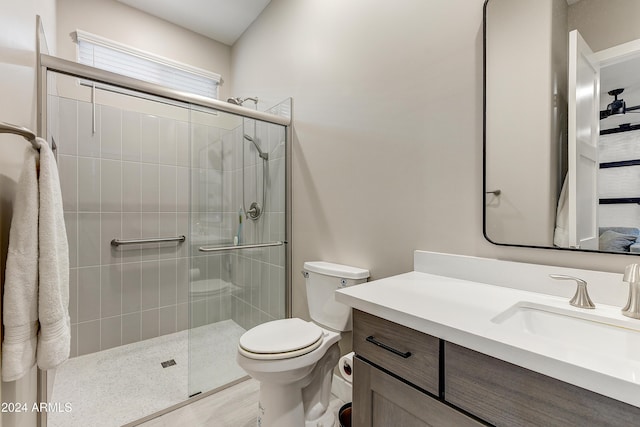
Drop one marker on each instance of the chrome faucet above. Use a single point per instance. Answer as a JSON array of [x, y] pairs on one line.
[[581, 297], [632, 276]]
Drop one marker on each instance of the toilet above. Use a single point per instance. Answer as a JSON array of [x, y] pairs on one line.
[[293, 359]]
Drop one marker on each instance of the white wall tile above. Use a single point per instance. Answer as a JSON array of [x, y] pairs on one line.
[[88, 294], [88, 337], [68, 168], [88, 239], [110, 228], [88, 184], [150, 321], [168, 143], [150, 134], [131, 136], [71, 225], [168, 189], [131, 187], [150, 187], [168, 320], [111, 185], [68, 124], [131, 288], [110, 290], [182, 144], [110, 332], [88, 130], [111, 132], [150, 285]]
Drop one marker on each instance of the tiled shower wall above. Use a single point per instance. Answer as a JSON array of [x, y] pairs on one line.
[[259, 273], [254, 277], [126, 178], [133, 177]]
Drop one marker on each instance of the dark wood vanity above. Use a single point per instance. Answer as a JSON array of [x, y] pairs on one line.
[[403, 377]]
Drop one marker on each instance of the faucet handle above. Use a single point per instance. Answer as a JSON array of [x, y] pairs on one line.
[[581, 297], [632, 276], [631, 273]]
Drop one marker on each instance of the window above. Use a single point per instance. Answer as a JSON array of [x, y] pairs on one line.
[[118, 58]]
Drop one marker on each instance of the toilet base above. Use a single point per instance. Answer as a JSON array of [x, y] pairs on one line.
[[280, 405], [327, 420], [301, 403]]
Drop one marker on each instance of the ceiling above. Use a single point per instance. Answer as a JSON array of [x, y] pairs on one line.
[[623, 75], [221, 20]]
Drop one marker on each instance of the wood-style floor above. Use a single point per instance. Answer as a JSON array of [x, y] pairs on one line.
[[235, 406]]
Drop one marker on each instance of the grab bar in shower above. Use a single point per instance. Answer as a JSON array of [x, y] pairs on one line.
[[118, 242], [232, 248]]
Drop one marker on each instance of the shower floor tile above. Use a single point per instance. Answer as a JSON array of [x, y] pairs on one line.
[[123, 384]]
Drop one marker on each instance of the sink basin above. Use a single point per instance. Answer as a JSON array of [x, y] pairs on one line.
[[580, 330]]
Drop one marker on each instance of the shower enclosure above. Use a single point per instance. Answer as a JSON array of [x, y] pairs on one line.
[[176, 214]]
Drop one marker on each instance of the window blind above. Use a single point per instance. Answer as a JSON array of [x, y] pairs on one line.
[[118, 58]]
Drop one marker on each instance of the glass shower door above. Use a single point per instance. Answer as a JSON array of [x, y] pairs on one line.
[[237, 202], [123, 159]]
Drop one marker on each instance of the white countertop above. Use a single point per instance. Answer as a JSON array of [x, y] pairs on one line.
[[461, 311]]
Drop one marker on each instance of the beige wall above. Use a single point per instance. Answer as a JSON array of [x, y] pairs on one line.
[[116, 21], [387, 149], [18, 106]]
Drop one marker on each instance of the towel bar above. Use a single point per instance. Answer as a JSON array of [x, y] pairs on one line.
[[231, 248]]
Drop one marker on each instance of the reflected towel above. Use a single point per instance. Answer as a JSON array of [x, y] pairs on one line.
[[561, 233]]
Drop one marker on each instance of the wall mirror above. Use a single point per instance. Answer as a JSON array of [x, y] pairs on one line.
[[562, 124]]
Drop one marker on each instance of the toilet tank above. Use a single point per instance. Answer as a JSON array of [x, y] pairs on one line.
[[322, 280]]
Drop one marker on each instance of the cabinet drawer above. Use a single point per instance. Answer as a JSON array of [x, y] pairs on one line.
[[507, 395], [380, 400], [407, 353]]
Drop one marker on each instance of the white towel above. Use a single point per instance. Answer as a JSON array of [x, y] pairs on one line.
[[36, 289], [20, 305], [54, 339], [561, 233]]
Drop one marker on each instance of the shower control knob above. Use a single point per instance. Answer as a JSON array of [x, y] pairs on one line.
[[255, 211]]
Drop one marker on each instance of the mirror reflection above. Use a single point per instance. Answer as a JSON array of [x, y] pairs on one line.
[[562, 124]]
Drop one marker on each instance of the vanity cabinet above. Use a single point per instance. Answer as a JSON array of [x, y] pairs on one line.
[[443, 384], [398, 383], [507, 395], [409, 354], [382, 400]]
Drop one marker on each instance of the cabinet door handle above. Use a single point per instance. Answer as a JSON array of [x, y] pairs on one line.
[[372, 340]]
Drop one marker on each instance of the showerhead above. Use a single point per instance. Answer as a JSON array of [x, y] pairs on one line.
[[240, 101], [262, 154]]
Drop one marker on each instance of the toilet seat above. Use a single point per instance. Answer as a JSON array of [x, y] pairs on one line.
[[280, 339]]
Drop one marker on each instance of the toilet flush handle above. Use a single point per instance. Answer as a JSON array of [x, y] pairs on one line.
[[305, 274]]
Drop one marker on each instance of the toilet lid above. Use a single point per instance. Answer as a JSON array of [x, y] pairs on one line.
[[281, 336]]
